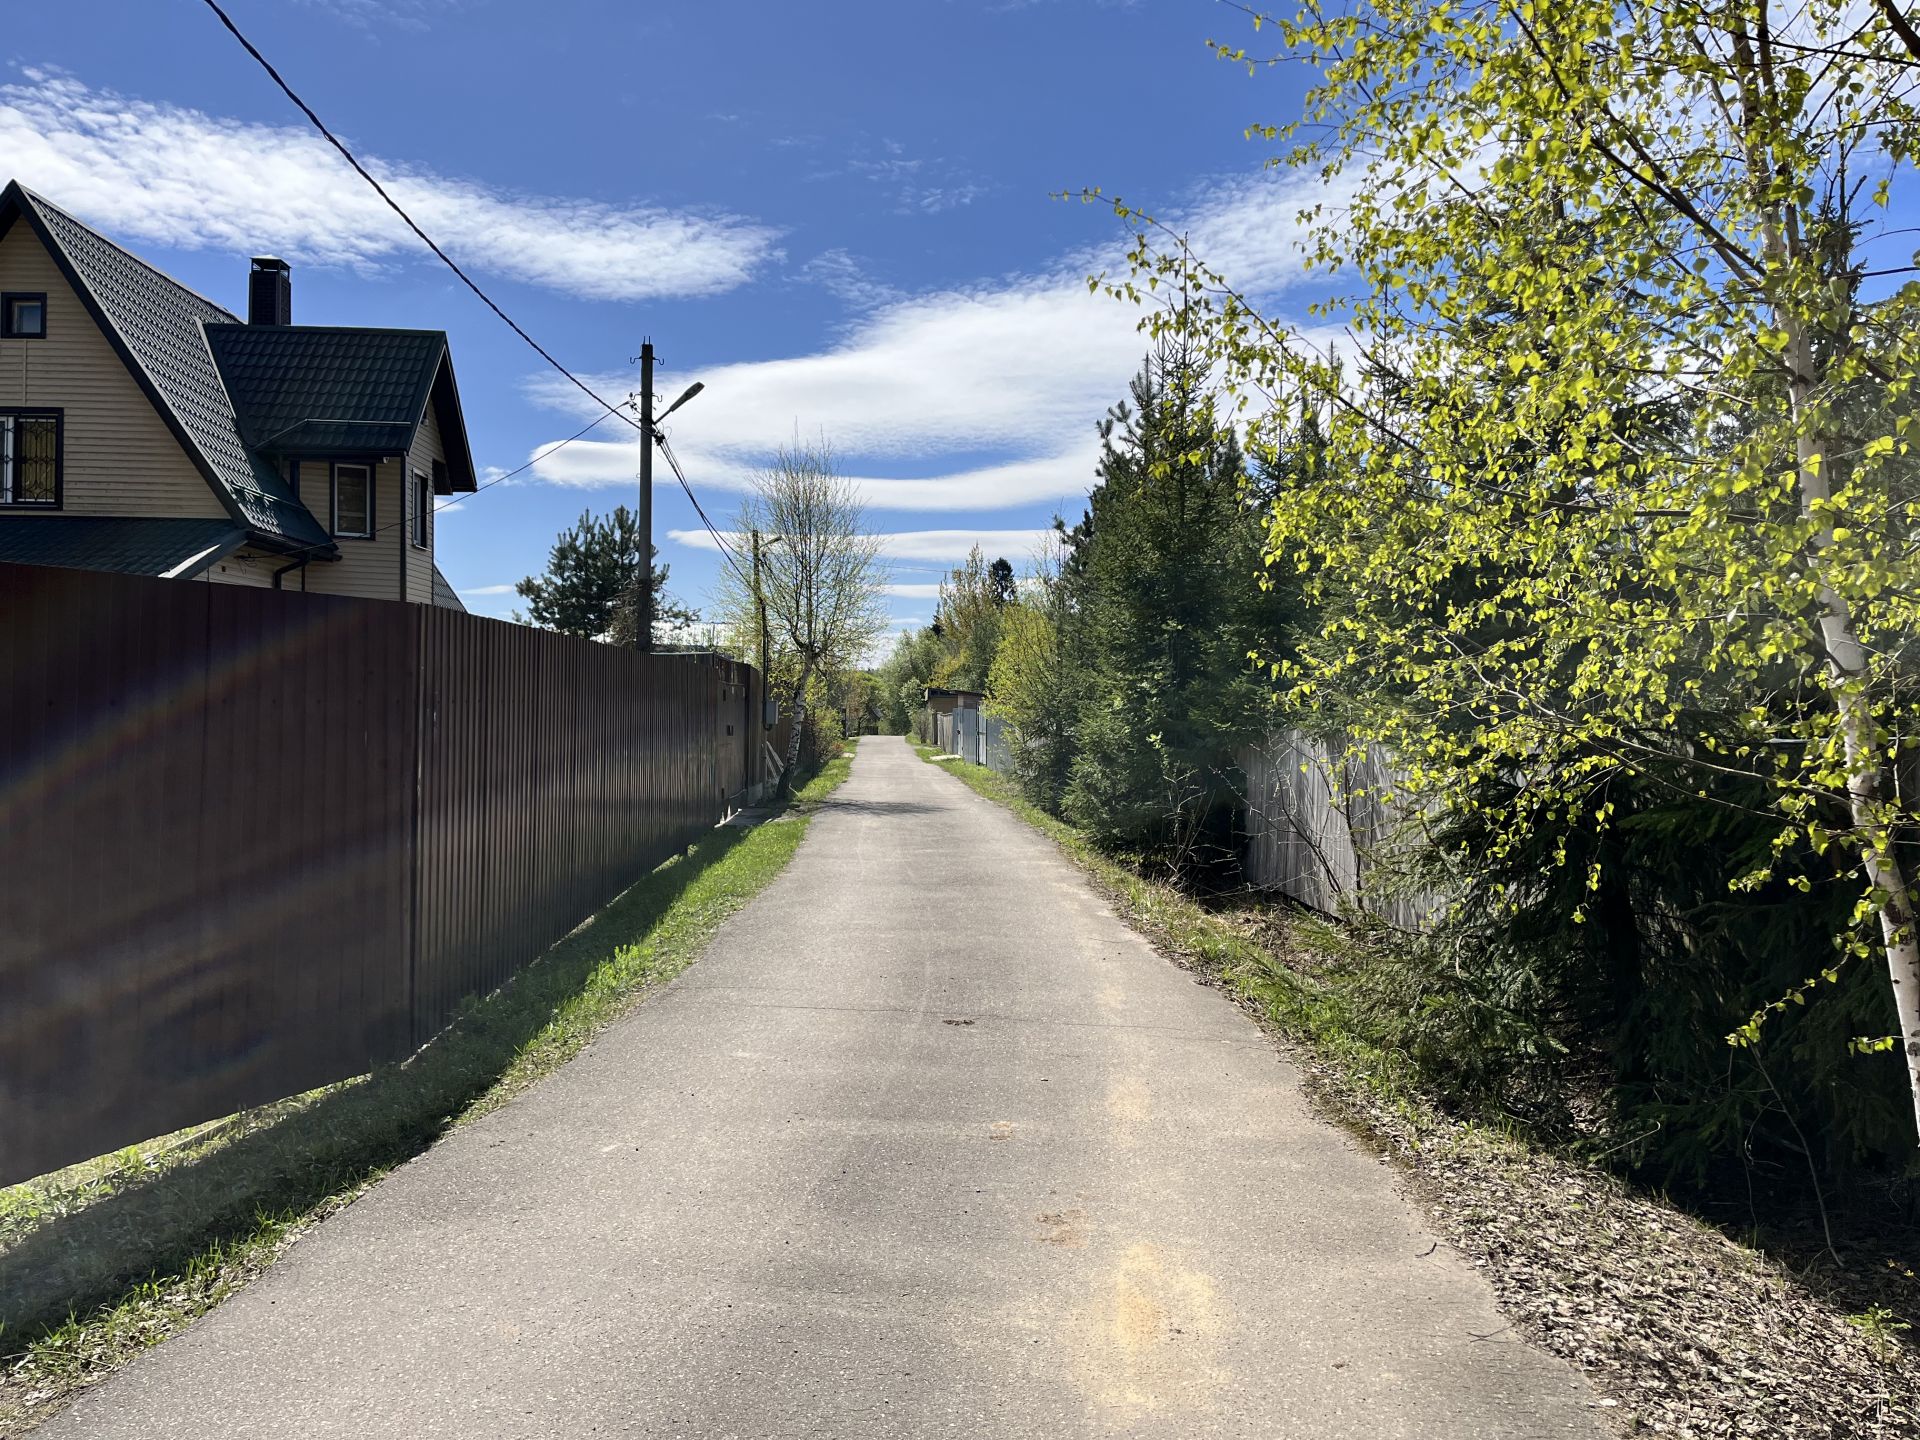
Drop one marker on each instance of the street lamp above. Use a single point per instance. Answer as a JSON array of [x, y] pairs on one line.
[[691, 391]]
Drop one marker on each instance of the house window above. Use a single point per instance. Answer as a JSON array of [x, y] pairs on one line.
[[23, 316], [30, 458], [422, 508], [353, 501]]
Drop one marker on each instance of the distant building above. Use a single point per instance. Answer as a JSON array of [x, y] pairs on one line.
[[945, 702], [939, 723]]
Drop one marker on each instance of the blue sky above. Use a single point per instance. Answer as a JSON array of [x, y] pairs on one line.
[[836, 216]]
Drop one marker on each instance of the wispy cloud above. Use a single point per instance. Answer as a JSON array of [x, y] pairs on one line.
[[951, 545], [844, 277], [932, 199], [1057, 477], [366, 14], [486, 589], [973, 399], [185, 178], [919, 184]]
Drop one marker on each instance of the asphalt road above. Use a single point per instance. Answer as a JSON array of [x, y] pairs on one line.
[[928, 1144]]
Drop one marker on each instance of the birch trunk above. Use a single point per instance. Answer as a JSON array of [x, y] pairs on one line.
[[794, 736], [1867, 760]]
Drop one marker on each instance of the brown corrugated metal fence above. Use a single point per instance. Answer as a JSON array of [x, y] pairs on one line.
[[251, 842]]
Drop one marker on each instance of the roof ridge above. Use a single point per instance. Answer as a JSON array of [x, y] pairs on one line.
[[330, 329], [155, 270]]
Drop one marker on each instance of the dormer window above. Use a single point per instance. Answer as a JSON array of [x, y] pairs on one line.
[[353, 501], [422, 511], [23, 316]]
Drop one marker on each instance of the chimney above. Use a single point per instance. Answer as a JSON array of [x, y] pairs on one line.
[[269, 292]]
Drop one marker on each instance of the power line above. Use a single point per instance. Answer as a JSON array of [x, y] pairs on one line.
[[394, 205], [496, 480], [727, 553]]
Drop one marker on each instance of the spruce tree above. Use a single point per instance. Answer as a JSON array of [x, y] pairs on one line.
[[1163, 610]]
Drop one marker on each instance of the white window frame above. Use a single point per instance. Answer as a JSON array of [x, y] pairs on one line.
[[366, 470], [421, 531]]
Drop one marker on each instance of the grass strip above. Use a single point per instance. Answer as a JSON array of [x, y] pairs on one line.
[[103, 1260]]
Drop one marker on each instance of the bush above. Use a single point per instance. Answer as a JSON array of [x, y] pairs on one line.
[[1626, 949]]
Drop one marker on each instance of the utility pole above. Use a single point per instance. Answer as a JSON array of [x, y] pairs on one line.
[[758, 726], [760, 608], [643, 627]]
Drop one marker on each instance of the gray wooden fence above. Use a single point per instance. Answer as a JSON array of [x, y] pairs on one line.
[[1322, 820], [1323, 823], [974, 736]]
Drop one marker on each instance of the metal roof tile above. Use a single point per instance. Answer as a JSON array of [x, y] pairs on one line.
[[160, 323], [304, 389], [131, 546]]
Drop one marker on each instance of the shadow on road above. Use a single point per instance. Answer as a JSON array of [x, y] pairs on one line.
[[882, 807]]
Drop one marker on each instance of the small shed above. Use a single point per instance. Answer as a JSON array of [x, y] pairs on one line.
[[949, 715], [945, 702]]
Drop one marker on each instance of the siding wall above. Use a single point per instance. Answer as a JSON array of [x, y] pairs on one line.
[[372, 569], [246, 567], [120, 457], [426, 449]]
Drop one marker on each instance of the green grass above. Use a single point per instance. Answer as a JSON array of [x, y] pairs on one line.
[[102, 1260]]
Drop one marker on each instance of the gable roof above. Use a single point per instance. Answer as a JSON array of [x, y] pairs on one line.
[[176, 549], [155, 323], [444, 595], [330, 390]]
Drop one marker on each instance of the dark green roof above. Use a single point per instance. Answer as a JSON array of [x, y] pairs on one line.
[[327, 390], [155, 322], [444, 595], [179, 549]]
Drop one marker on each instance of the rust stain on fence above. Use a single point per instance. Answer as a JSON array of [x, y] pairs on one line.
[[253, 842]]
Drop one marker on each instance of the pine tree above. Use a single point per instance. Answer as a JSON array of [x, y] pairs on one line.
[[590, 581]]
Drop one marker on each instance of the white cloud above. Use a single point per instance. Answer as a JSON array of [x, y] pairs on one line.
[[181, 177], [994, 388], [844, 277], [1061, 477], [491, 589], [909, 544], [915, 591]]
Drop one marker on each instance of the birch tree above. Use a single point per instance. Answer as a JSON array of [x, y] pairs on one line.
[[821, 579], [1560, 219]]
